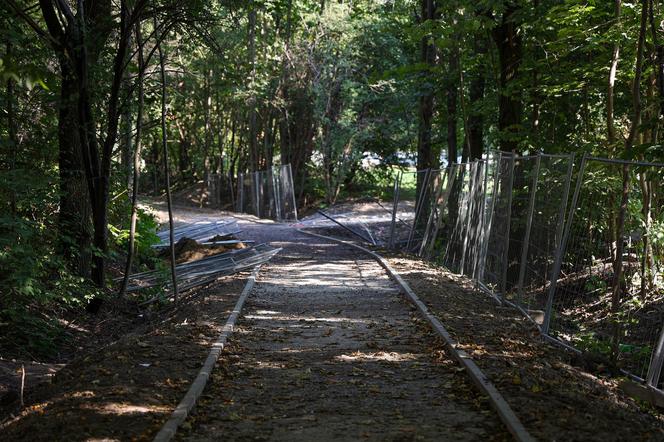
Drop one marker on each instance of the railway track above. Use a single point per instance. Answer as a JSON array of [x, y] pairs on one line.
[[331, 344]]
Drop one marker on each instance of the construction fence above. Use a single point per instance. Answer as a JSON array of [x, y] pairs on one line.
[[267, 193], [577, 245]]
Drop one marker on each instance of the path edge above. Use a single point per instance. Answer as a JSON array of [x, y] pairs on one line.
[[181, 412], [498, 402]]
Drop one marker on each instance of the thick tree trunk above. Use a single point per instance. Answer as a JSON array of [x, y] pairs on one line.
[[74, 216], [452, 93], [508, 40], [426, 157], [476, 119]]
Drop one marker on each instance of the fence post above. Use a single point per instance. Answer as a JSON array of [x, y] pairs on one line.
[[558, 261], [434, 207], [486, 225], [505, 261], [529, 224], [291, 186], [257, 193], [472, 184], [656, 362], [276, 194], [240, 191], [395, 207], [418, 205]]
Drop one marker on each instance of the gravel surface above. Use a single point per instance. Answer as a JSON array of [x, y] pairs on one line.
[[550, 389], [328, 349], [127, 389]]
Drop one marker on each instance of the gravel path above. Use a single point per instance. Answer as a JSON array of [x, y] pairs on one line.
[[328, 349]]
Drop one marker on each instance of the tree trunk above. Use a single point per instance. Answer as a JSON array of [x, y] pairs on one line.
[[452, 92], [659, 57], [509, 45], [74, 216], [475, 119], [167, 181], [636, 87], [426, 157], [618, 278], [615, 57], [137, 161], [208, 129], [11, 128], [253, 135]]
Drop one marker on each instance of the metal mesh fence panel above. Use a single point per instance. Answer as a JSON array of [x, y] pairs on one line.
[[457, 221], [495, 260], [589, 270], [472, 247], [550, 177], [607, 295], [439, 213], [267, 194], [406, 205], [286, 194], [243, 199], [428, 193]]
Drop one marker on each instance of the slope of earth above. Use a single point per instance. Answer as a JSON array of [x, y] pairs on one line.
[[127, 389], [552, 397], [328, 349]]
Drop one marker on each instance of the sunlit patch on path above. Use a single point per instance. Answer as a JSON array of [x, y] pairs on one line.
[[328, 348]]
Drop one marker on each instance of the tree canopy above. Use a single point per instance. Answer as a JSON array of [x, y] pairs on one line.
[[345, 91]]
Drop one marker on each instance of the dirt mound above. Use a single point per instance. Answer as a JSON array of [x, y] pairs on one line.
[[187, 249], [234, 246]]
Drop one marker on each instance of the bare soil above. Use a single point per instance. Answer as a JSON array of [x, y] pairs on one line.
[[127, 389], [187, 250], [329, 349], [546, 386]]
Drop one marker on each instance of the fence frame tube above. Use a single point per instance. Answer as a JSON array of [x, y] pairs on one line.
[[418, 206], [529, 224], [558, 260], [503, 279]]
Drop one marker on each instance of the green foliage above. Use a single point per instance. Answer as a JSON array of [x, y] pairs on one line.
[[34, 283], [145, 236]]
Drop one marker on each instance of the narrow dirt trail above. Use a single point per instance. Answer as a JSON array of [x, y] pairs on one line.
[[328, 349]]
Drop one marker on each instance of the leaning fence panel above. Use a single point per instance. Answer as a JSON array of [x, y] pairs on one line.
[[267, 193], [588, 269], [494, 273], [406, 207], [538, 209], [608, 295]]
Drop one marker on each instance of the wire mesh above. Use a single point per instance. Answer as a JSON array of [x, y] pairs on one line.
[[504, 221], [268, 193], [499, 205], [439, 213], [539, 237], [607, 297], [406, 206]]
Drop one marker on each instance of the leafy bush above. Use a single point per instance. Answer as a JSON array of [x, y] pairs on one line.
[[34, 282]]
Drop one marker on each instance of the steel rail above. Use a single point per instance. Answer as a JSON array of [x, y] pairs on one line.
[[344, 226], [181, 412], [498, 403]]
